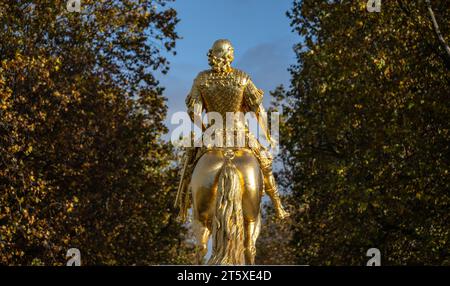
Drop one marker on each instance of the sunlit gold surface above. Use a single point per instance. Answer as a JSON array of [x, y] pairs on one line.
[[226, 183], [204, 186]]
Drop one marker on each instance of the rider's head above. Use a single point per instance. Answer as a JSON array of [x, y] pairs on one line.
[[221, 55]]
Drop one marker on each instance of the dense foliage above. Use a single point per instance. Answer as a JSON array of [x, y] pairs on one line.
[[81, 160], [366, 135]]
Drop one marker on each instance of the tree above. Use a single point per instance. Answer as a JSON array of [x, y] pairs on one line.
[[82, 163], [366, 135]]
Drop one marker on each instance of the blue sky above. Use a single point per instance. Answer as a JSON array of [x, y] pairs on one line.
[[258, 29]]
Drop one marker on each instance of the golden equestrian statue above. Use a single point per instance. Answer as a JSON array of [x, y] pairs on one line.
[[227, 182]]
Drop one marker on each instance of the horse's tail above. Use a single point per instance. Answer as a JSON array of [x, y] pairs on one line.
[[228, 221]]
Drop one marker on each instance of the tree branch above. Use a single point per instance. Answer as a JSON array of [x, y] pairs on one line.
[[436, 29]]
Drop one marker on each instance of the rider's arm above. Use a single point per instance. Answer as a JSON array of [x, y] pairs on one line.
[[194, 104], [253, 101]]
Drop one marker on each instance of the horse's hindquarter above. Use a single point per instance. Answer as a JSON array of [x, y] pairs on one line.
[[205, 178], [252, 179], [204, 185]]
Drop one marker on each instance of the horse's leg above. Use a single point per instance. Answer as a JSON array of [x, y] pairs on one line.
[[251, 234], [201, 233], [204, 189], [253, 185]]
